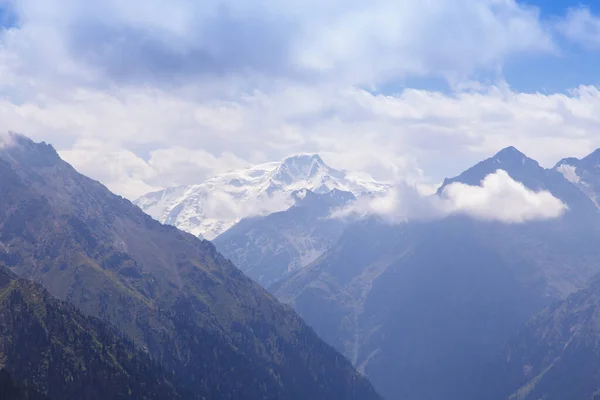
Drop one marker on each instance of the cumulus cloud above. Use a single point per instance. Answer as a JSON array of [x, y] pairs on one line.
[[498, 198]]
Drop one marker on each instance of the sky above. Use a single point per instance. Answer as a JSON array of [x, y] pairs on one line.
[[144, 95]]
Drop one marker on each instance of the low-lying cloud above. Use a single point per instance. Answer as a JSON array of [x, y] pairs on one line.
[[498, 198]]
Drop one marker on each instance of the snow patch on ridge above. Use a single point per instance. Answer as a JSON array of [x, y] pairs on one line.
[[569, 172]]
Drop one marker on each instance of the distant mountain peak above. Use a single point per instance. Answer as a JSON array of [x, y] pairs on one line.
[[512, 156], [261, 189], [509, 159], [303, 158], [303, 167], [510, 150]]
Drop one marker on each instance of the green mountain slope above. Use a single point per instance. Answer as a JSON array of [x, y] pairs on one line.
[[51, 348], [170, 293]]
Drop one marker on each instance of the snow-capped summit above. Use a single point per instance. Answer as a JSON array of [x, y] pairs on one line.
[[210, 208], [301, 167]]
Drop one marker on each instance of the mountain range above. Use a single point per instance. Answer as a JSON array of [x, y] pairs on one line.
[[210, 208], [99, 300], [170, 294], [421, 307], [424, 306]]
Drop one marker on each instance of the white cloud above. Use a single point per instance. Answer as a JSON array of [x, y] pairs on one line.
[[127, 174], [498, 198], [120, 170], [182, 166], [582, 27], [353, 41], [176, 92], [418, 135], [402, 203]]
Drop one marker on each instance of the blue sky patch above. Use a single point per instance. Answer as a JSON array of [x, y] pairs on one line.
[[8, 18]]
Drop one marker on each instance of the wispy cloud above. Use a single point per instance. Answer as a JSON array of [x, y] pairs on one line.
[[581, 27]]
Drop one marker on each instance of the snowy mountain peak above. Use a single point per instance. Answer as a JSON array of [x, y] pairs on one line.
[[303, 163], [211, 207], [306, 167]]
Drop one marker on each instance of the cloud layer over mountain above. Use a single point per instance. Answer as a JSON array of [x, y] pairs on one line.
[[174, 93], [498, 198]]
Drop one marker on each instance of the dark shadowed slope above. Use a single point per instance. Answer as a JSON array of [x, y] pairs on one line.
[[47, 347], [172, 294], [11, 390]]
